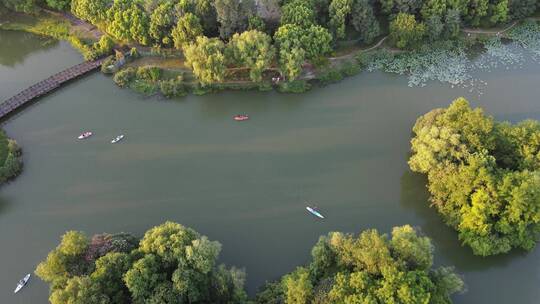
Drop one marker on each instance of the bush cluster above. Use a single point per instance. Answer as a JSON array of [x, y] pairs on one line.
[[483, 176]]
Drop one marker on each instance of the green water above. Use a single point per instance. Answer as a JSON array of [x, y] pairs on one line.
[[343, 147]]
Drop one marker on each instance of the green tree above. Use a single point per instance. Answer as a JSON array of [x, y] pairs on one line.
[[297, 286], [128, 22], [405, 32], [452, 24], [364, 21], [206, 58], [144, 277], [252, 49], [299, 13], [432, 8], [370, 268], [519, 9], [232, 16], [186, 30], [476, 10], [434, 28], [58, 4], [339, 11], [296, 44], [481, 175], [90, 10], [65, 261], [498, 11], [161, 23]]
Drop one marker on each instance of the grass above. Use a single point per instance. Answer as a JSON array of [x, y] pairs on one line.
[[48, 25]]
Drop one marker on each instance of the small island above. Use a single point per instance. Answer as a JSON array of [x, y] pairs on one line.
[[175, 264], [482, 175]]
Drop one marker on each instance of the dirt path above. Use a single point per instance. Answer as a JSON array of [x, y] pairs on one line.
[[479, 31]]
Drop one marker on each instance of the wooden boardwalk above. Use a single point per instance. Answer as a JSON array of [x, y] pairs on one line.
[[47, 85]]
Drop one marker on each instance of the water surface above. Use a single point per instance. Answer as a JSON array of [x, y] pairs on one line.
[[343, 147]]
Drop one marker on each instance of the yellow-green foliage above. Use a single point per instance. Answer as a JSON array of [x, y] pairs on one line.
[[370, 268], [483, 176], [171, 264]]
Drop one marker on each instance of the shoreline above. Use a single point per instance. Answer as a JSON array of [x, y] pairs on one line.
[[82, 35]]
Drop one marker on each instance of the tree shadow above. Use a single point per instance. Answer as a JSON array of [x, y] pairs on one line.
[[21, 45], [415, 196]]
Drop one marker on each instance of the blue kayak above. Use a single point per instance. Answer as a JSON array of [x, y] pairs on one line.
[[314, 212]]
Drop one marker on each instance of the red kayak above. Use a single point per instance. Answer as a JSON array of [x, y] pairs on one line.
[[241, 117]]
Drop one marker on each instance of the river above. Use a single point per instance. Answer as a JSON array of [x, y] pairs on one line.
[[343, 147]]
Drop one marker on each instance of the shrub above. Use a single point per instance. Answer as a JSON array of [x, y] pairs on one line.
[[173, 87], [332, 76], [106, 65], [350, 69], [295, 86], [124, 77], [149, 73]]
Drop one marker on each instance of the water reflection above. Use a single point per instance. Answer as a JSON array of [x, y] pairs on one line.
[[414, 195], [16, 47]]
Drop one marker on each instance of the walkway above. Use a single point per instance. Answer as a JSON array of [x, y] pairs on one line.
[[45, 86]]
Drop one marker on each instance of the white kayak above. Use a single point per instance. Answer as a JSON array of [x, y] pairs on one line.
[[22, 283], [85, 135], [314, 212], [117, 139]]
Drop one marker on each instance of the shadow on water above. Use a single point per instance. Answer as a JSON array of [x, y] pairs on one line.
[[415, 196], [4, 205], [21, 46]]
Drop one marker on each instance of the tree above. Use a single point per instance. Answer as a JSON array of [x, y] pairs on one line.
[[90, 10], [128, 22], [364, 20], [25, 6], [65, 261], [161, 23], [405, 32], [206, 58], [296, 44], [433, 8], [339, 10], [299, 13], [58, 4], [476, 10], [452, 24], [370, 268], [145, 276], [297, 287], [498, 11], [186, 30], [232, 16], [481, 175], [173, 264], [252, 49], [519, 9], [434, 28]]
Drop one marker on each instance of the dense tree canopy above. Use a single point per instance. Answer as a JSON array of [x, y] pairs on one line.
[[206, 57], [171, 264], [405, 31], [252, 49], [483, 176], [371, 268]]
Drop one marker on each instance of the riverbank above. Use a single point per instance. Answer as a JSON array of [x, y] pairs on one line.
[[177, 79]]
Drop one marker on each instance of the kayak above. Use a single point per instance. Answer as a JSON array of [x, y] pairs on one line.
[[85, 135], [241, 117], [22, 283], [314, 212], [117, 139]]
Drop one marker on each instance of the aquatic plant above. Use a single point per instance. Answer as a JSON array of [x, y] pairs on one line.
[[528, 36]]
